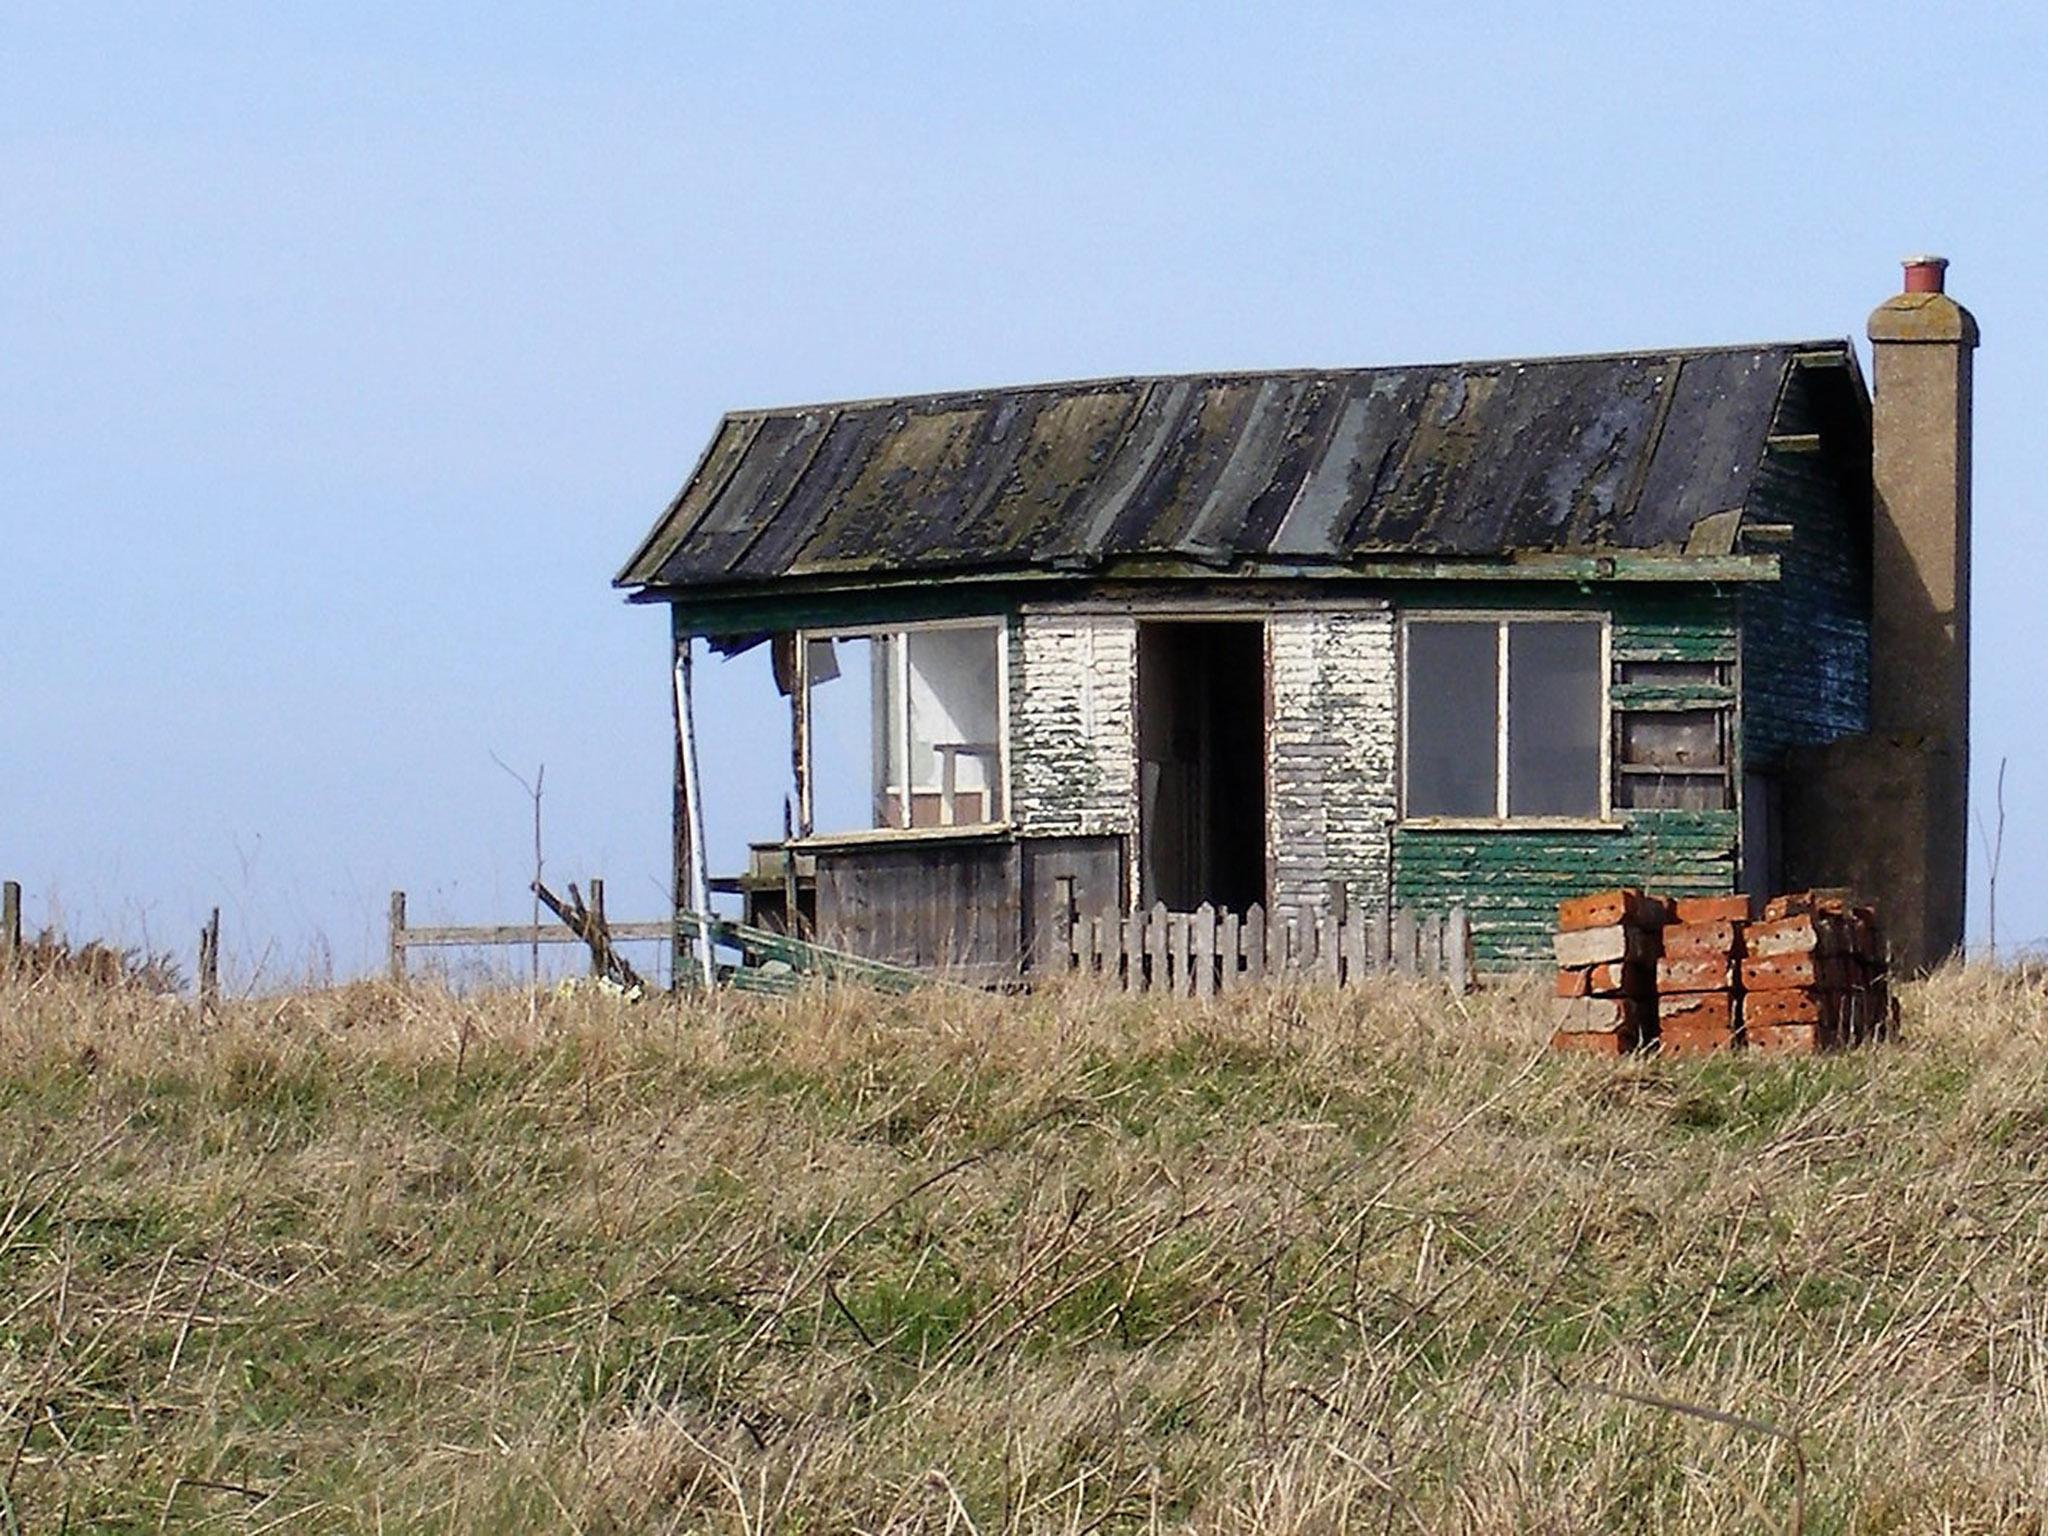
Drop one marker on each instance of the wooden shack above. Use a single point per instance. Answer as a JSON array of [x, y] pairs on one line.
[[1486, 634]]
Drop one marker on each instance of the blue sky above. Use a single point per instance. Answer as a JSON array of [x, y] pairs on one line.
[[347, 351]]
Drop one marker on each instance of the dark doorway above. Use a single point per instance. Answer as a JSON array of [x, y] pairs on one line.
[[1202, 764], [1763, 839]]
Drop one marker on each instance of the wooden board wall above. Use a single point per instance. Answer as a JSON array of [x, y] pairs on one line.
[[1095, 865], [950, 906]]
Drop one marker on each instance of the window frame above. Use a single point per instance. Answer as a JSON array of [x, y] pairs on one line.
[[998, 625], [1502, 619]]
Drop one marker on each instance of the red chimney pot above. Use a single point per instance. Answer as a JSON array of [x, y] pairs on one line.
[[1924, 273]]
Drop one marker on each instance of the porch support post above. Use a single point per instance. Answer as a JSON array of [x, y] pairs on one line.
[[691, 879]]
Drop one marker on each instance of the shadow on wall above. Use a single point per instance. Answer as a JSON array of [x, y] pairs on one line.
[[1887, 813]]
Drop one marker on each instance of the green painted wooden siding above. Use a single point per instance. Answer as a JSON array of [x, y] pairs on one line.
[[1511, 882], [1511, 879]]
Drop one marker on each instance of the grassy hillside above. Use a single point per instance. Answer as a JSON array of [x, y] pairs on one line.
[[371, 1261]]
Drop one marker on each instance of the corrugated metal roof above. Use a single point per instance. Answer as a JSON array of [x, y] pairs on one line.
[[1620, 452]]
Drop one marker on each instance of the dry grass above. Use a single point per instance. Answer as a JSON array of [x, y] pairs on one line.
[[1372, 1262]]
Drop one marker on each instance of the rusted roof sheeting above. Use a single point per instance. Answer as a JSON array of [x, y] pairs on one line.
[[1623, 452]]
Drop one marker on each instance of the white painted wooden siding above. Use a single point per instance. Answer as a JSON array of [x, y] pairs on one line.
[[1332, 755], [1073, 747]]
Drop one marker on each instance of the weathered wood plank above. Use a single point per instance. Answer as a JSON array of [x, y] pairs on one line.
[[1229, 935], [759, 946], [1404, 942], [1458, 950], [601, 951], [1059, 920], [453, 935], [209, 965], [1255, 944], [394, 958], [1156, 941], [1352, 945], [1202, 951]]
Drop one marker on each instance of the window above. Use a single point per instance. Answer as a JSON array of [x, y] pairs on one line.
[[905, 727], [1672, 733], [1505, 717]]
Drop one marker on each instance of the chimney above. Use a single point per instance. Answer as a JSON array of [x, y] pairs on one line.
[[1921, 346]]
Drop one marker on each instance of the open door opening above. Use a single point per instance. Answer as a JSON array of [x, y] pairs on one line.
[[1202, 764]]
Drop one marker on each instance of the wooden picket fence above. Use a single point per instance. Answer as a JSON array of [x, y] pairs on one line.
[[1206, 951]]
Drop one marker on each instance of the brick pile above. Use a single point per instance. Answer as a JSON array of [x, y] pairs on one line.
[[1815, 975], [1697, 976], [1607, 946]]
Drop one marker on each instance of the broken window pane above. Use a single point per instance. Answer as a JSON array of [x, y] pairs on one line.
[[1682, 738], [1453, 726], [1674, 792], [906, 728], [1554, 719], [845, 779]]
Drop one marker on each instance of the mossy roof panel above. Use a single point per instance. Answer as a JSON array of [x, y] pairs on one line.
[[1488, 459]]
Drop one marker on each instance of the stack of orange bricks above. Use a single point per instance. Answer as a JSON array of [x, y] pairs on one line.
[[1814, 977], [1697, 976], [1607, 948]]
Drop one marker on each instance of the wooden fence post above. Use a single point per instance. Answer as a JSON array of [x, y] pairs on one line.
[[397, 938], [600, 934], [1432, 935], [1156, 937], [1404, 943], [209, 965], [10, 925], [1458, 950]]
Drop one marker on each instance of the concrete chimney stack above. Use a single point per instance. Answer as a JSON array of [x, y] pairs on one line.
[[1921, 344]]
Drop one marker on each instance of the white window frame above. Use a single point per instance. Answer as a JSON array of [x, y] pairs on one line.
[[899, 727], [1501, 619]]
